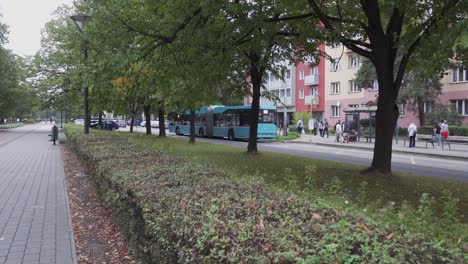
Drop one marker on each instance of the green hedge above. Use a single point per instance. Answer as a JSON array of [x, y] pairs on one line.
[[11, 125], [454, 130], [173, 211]]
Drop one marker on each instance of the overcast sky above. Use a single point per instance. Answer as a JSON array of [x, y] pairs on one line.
[[25, 19]]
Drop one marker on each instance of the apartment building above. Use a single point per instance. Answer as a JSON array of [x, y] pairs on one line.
[[329, 85]]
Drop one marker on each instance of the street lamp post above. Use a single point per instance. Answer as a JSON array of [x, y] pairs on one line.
[[80, 22]]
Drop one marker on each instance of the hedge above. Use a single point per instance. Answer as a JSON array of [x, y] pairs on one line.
[[173, 211], [453, 130]]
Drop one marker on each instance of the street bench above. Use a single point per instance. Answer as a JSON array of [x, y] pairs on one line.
[[427, 138]]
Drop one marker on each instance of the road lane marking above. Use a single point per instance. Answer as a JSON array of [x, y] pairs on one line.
[[412, 160]]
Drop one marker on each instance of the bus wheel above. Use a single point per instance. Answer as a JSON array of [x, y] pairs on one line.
[[231, 135], [200, 132], [177, 131]]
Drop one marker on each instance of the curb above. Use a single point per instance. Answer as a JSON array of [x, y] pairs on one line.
[[371, 149]]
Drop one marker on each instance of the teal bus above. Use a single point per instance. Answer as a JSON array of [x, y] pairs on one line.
[[230, 122]]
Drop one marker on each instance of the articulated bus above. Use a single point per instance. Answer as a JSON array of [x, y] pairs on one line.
[[230, 122]]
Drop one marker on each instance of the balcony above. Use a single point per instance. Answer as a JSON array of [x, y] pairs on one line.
[[312, 80], [287, 101]]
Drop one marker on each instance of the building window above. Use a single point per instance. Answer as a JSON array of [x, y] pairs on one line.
[[353, 87], [460, 74], [288, 74], [401, 108], [301, 93], [288, 92], [335, 66], [428, 107], [272, 77], [314, 70], [335, 88], [281, 93], [301, 75], [353, 105], [314, 91], [354, 61], [335, 111], [461, 106]]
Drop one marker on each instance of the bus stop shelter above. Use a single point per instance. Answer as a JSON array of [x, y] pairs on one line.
[[360, 121]]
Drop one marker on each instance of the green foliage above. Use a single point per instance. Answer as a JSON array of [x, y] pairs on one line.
[[442, 112], [11, 125], [291, 135], [304, 116], [176, 209]]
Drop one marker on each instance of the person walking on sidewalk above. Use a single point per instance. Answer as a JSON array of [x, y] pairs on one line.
[[299, 126], [437, 130], [320, 127], [444, 130], [338, 131], [397, 129], [412, 135], [325, 128]]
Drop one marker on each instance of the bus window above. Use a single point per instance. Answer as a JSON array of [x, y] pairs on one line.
[[267, 116]]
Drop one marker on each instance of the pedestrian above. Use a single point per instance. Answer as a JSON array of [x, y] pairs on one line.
[[315, 126], [325, 128], [437, 129], [299, 126], [397, 129], [320, 127], [412, 130], [444, 130], [338, 131]]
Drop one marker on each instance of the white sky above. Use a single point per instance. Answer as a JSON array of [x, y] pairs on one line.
[[25, 19]]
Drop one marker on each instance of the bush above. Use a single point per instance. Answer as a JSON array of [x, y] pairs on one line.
[[11, 125], [453, 130], [174, 211]]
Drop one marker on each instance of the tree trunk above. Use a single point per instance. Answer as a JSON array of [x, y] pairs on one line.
[[385, 121], [192, 127], [146, 110], [100, 121], [2, 120], [131, 124], [256, 74], [162, 127], [86, 111], [422, 115]]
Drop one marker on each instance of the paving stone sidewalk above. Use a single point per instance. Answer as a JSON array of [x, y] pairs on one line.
[[34, 212]]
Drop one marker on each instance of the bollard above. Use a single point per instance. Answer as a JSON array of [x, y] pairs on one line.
[[54, 134]]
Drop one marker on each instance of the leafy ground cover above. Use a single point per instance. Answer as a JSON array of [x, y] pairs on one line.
[[11, 125], [178, 207], [290, 136]]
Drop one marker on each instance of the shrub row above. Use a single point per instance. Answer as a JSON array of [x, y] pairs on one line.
[[11, 125], [429, 130], [176, 212]]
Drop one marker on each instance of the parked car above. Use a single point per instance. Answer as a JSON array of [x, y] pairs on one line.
[[121, 123], [154, 124], [79, 121], [106, 124], [136, 122]]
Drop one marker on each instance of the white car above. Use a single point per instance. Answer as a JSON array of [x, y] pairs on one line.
[[79, 121], [154, 124]]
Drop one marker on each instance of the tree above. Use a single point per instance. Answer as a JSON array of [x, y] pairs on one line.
[[389, 33], [444, 112], [418, 89]]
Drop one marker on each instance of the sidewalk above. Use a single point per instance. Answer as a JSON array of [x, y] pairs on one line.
[[458, 150], [34, 212]]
